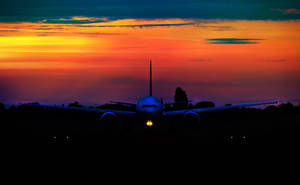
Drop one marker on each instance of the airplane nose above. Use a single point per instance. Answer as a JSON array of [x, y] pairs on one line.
[[151, 111]]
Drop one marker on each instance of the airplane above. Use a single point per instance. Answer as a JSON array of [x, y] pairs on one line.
[[150, 108]]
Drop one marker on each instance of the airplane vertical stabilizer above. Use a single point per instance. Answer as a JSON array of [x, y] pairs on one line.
[[150, 84]]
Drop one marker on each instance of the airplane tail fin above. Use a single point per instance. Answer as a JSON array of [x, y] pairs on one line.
[[150, 84]]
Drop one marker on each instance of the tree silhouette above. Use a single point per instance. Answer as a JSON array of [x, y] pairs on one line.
[[75, 104], [2, 107], [180, 98]]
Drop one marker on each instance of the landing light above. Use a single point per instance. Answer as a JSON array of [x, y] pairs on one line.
[[149, 123]]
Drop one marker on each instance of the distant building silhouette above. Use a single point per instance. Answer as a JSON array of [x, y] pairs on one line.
[[75, 104], [204, 104]]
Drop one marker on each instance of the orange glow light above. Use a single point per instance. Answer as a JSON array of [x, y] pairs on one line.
[[149, 123]]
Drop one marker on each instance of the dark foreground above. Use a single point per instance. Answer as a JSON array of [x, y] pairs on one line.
[[272, 125]]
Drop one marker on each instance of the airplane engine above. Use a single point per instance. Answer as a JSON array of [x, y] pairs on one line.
[[191, 118], [109, 120]]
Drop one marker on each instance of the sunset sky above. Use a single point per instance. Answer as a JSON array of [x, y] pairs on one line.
[[61, 51]]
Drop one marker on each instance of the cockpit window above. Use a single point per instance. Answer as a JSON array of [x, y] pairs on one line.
[[143, 106]]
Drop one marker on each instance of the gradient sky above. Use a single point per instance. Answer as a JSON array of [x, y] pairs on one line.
[[59, 51]]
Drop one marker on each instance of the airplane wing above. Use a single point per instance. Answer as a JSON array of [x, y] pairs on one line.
[[123, 103], [118, 112], [181, 112]]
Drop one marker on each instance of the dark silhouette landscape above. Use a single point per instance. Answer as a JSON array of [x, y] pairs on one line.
[[39, 125]]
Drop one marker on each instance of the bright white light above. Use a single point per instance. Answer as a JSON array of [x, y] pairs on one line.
[[149, 123]]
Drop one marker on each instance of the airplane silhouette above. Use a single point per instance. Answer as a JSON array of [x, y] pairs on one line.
[[151, 108]]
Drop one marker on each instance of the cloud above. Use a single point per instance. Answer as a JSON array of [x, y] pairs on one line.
[[232, 41], [123, 80], [54, 19], [11, 30], [200, 60], [276, 60], [225, 28], [42, 35], [47, 29], [290, 11], [81, 21], [215, 28], [37, 10], [75, 20], [139, 25]]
